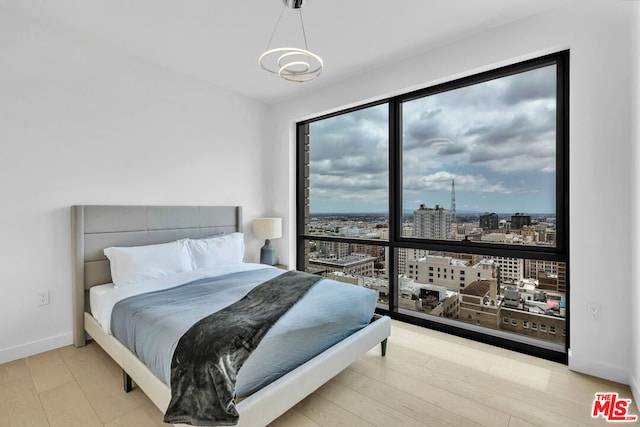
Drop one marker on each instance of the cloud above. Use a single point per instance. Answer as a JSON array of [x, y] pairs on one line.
[[441, 181], [490, 136], [336, 193], [452, 148], [536, 84], [355, 134], [496, 138], [424, 131], [349, 157]]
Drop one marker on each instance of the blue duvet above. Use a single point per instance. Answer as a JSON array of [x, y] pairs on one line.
[[151, 324]]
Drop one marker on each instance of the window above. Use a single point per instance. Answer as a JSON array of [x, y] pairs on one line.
[[514, 322], [505, 320], [348, 172], [485, 143], [552, 330], [543, 328], [469, 175]]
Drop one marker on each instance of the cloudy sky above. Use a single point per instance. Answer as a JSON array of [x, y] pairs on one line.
[[497, 139]]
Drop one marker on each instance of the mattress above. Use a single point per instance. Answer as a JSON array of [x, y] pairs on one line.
[[327, 314]]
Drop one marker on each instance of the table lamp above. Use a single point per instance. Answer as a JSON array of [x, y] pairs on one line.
[[267, 228]]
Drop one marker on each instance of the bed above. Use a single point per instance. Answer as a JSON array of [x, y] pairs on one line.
[[95, 228]]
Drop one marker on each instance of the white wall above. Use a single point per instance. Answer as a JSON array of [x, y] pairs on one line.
[[598, 32], [82, 124], [635, 281]]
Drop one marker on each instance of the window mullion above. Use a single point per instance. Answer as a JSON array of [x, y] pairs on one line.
[[395, 203]]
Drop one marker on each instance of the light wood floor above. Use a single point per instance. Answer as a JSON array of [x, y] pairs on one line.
[[427, 378]]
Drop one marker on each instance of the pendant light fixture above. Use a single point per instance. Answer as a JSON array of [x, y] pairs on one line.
[[291, 63]]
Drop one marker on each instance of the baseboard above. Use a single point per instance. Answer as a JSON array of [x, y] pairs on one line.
[[35, 347], [598, 369], [635, 391]]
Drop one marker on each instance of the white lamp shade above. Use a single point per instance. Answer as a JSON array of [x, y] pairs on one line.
[[267, 228]]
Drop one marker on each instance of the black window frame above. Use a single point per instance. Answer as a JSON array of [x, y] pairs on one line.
[[558, 253]]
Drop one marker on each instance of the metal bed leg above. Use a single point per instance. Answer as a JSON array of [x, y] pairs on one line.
[[128, 384], [383, 347]]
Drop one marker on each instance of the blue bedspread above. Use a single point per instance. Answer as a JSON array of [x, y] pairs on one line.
[[151, 324]]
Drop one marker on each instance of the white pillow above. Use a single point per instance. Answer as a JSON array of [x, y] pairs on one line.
[[223, 250], [130, 265]]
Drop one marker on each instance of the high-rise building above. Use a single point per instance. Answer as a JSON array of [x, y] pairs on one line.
[[376, 252], [550, 274], [454, 274], [533, 267], [511, 269], [432, 223], [489, 221], [408, 254], [333, 250], [428, 223], [353, 264], [519, 220]]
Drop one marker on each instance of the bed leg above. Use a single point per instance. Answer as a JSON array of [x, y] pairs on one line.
[[126, 380], [383, 347]]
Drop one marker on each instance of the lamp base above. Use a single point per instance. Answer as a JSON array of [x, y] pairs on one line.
[[267, 253]]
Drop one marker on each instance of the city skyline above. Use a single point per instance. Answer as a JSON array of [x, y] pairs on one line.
[[496, 138], [409, 212]]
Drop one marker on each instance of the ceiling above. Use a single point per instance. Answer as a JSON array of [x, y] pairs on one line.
[[219, 41]]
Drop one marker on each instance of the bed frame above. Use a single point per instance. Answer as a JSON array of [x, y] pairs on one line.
[[95, 227]]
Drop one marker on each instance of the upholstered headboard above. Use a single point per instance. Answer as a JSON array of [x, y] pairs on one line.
[[95, 227]]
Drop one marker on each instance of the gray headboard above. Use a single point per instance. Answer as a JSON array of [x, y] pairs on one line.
[[95, 227]]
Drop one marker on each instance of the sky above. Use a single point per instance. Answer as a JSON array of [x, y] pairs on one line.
[[497, 139]]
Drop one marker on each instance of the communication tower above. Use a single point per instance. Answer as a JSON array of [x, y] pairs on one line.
[[453, 200]]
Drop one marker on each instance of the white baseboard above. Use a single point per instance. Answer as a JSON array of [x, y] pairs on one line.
[[599, 369], [35, 347], [635, 391]]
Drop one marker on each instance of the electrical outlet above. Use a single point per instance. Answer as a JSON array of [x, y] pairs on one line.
[[43, 297], [594, 311]]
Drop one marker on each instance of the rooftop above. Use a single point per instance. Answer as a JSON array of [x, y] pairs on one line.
[[478, 288], [349, 260]]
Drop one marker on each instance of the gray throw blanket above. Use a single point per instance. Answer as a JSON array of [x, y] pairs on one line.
[[209, 355]]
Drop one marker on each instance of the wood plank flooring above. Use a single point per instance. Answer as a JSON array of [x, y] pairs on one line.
[[426, 379]]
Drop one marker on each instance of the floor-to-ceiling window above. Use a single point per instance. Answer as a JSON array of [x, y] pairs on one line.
[[451, 202]]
